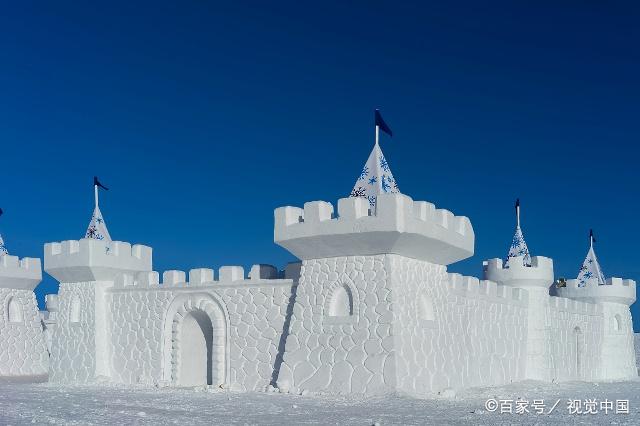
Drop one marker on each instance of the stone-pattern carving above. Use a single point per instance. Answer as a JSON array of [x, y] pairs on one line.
[[73, 350], [256, 315], [22, 346], [474, 339], [352, 356]]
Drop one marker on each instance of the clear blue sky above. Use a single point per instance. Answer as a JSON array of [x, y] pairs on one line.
[[204, 117]]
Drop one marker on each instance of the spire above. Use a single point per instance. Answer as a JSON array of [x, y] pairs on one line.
[[518, 244], [97, 228], [590, 267], [3, 248], [375, 178]]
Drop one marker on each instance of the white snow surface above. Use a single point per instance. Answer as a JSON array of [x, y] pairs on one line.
[[43, 403]]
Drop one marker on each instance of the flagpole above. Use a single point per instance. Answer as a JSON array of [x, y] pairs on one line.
[[95, 193], [377, 133], [518, 215]]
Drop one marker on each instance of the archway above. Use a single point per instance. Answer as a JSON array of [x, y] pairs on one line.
[[196, 337], [196, 341]]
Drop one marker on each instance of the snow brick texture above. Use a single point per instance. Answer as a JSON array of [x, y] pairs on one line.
[[23, 351], [409, 327]]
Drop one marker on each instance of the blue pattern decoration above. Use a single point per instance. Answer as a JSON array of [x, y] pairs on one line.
[[377, 178]]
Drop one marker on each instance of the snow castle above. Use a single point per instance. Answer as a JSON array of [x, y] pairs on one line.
[[369, 309]]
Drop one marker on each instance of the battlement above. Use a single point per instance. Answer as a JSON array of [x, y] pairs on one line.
[[204, 277], [94, 260], [515, 274], [616, 290], [20, 274], [52, 303], [574, 306], [475, 288], [399, 225]]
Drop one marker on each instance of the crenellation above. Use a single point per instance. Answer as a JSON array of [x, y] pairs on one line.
[[200, 276], [473, 287], [424, 210], [9, 261], [317, 211], [231, 273], [263, 272], [174, 278], [70, 247], [615, 290], [353, 208], [397, 225], [148, 279], [444, 218], [88, 260], [20, 274]]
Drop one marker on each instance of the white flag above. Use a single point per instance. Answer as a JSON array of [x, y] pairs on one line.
[[519, 248], [97, 229], [3, 248], [375, 178], [590, 269]]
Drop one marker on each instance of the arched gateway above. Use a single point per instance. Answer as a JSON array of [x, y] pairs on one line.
[[196, 341]]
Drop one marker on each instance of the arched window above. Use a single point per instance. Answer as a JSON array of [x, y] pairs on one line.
[[425, 308], [341, 302], [74, 314], [617, 323], [14, 310]]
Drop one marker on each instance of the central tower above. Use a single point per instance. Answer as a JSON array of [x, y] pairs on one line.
[[364, 308]]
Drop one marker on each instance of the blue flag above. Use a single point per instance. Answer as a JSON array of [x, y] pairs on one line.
[[381, 124], [97, 183]]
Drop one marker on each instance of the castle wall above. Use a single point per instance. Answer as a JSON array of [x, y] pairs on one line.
[[22, 346], [574, 342], [73, 351], [412, 329], [482, 336], [341, 353], [618, 352], [249, 327]]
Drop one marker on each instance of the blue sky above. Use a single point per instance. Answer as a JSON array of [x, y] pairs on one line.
[[203, 117]]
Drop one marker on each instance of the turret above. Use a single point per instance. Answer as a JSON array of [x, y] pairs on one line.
[[399, 225], [615, 290], [516, 274], [88, 260], [20, 274], [535, 275], [87, 269], [354, 286], [22, 349], [615, 296]]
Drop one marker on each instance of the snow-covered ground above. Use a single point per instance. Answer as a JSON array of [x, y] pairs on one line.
[[44, 403]]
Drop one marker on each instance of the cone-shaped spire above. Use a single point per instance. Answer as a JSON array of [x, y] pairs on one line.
[[97, 228], [518, 244], [3, 248], [590, 267], [375, 178]]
